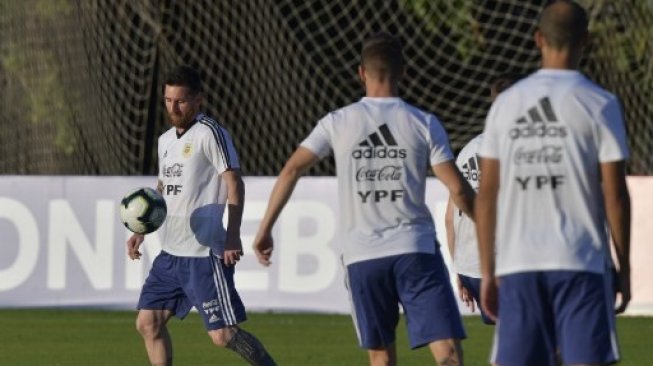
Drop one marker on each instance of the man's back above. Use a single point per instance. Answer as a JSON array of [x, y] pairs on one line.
[[382, 148], [550, 132]]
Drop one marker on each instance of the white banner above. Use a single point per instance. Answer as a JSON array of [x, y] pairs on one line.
[[63, 245]]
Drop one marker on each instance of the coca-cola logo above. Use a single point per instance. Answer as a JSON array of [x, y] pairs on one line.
[[175, 170], [546, 154], [387, 173]]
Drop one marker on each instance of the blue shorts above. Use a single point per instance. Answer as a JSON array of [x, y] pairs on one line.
[[420, 283], [542, 312], [473, 286], [179, 283]]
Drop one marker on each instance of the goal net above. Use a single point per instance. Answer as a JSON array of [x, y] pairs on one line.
[[81, 92]]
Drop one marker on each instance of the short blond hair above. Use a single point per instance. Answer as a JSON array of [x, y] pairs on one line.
[[382, 55]]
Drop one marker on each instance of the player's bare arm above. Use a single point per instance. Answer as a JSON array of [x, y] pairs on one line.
[[300, 161], [133, 244], [451, 244], [233, 248], [486, 217], [460, 191], [617, 208], [448, 225]]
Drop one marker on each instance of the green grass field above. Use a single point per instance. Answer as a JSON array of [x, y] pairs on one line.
[[36, 337]]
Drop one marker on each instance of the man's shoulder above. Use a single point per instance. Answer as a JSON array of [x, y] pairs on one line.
[[210, 129], [589, 87], [344, 109], [421, 117], [342, 114], [470, 149], [574, 82], [167, 134], [358, 105], [394, 101], [474, 144], [207, 122], [422, 114]]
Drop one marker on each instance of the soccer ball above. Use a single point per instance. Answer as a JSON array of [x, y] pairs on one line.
[[143, 210]]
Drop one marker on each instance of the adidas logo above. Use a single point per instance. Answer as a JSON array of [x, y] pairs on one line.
[[470, 169], [378, 145], [214, 318], [539, 122]]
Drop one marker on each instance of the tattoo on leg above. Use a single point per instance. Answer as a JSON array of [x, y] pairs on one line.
[[250, 348]]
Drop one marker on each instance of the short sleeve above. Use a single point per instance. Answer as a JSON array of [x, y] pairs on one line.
[[319, 140], [490, 144], [612, 133], [439, 150], [219, 149]]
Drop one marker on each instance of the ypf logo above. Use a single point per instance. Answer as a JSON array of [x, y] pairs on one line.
[[535, 125], [379, 145]]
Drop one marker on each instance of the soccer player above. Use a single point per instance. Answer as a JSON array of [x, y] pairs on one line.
[[553, 162], [382, 148], [461, 232], [199, 177]]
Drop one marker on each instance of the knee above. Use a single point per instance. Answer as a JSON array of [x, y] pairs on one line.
[[148, 326], [221, 337], [448, 353], [448, 360]]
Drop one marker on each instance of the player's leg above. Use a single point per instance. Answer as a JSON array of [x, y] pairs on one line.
[[151, 324], [211, 284], [375, 308], [160, 299], [584, 311], [386, 356], [447, 352], [243, 343], [432, 314]]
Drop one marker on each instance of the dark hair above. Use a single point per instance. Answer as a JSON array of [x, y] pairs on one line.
[[185, 76], [382, 54], [563, 24]]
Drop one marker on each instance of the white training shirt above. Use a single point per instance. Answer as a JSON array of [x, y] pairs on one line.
[[466, 259], [189, 168], [550, 132], [383, 148]]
